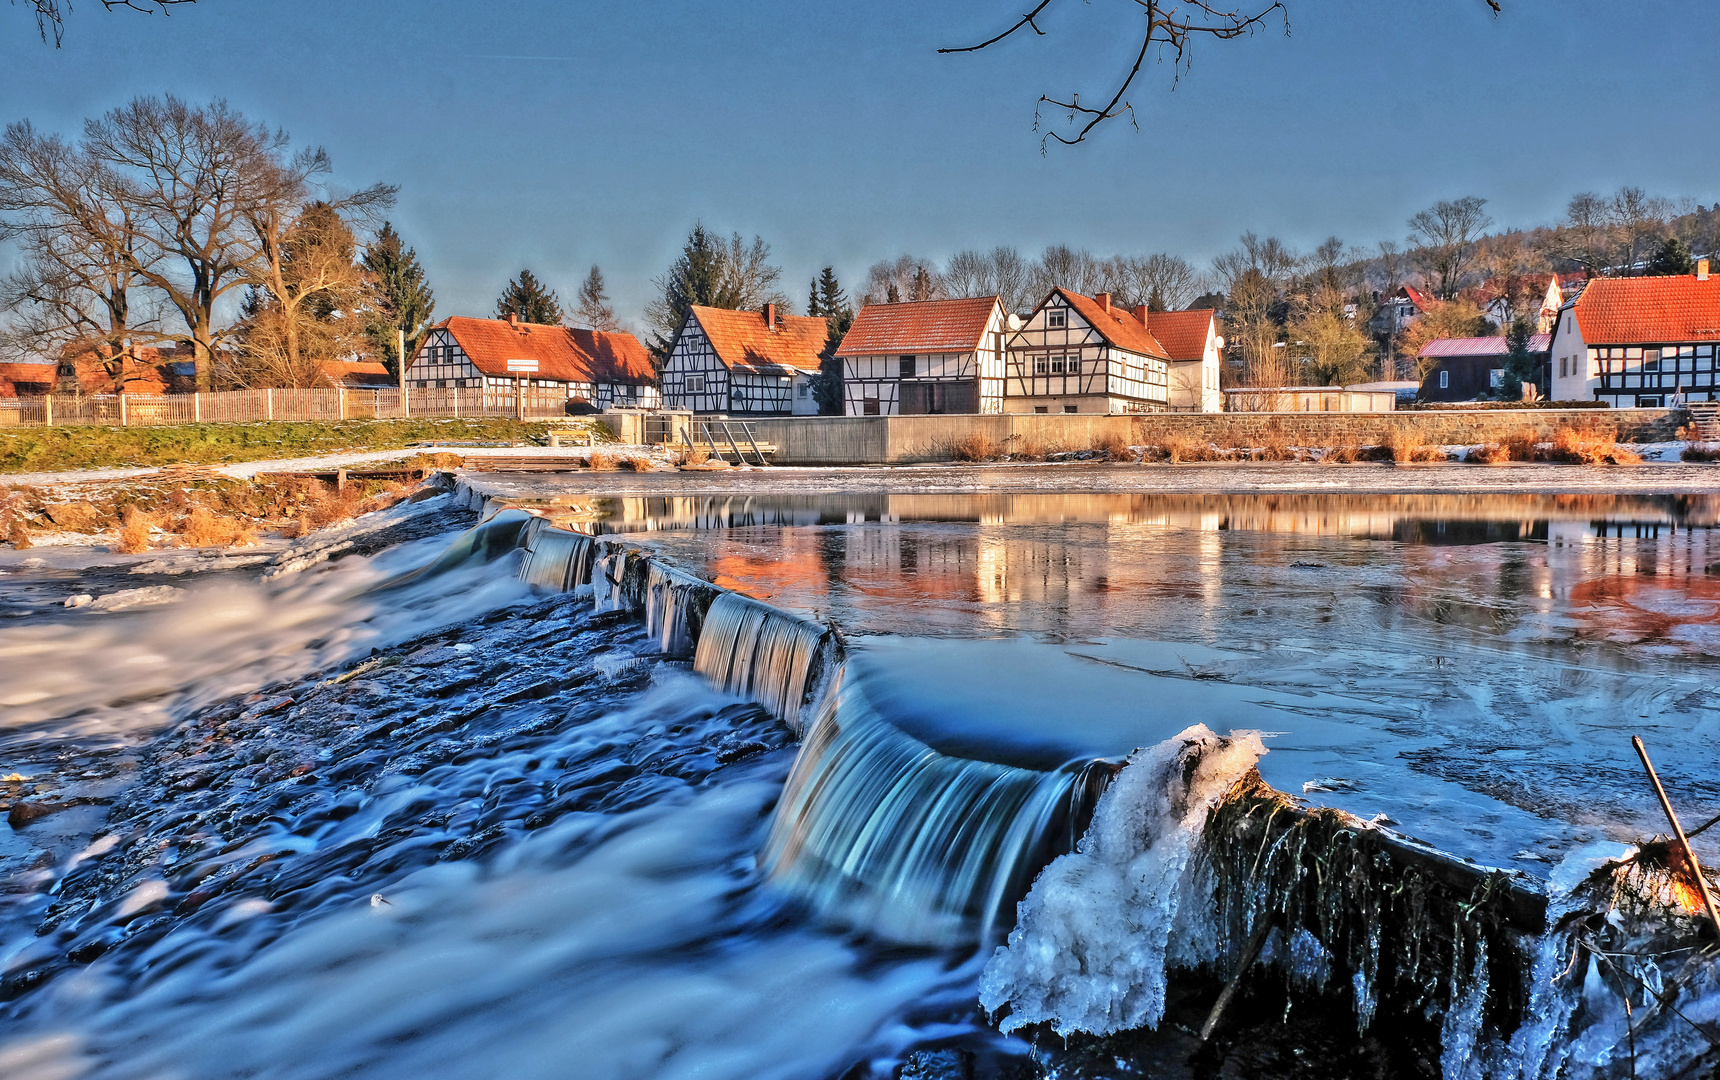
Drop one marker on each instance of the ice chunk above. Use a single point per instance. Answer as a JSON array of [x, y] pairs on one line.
[[1088, 950]]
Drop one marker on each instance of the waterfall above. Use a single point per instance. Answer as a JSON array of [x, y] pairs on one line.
[[556, 559], [754, 651], [882, 831], [483, 543], [673, 606]]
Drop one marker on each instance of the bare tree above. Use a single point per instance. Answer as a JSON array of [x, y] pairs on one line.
[[1170, 30], [1444, 237], [303, 309], [595, 311], [1076, 269], [76, 287], [1162, 281], [51, 14], [906, 277], [306, 256], [1253, 277], [1639, 222], [999, 272]]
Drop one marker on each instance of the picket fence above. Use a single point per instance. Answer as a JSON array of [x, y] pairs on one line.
[[249, 406]]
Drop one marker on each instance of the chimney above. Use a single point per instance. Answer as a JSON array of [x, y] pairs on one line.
[[1141, 313], [770, 316], [514, 319], [1104, 299], [1701, 269]]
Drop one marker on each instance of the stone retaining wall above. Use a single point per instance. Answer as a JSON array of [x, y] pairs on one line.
[[899, 440]]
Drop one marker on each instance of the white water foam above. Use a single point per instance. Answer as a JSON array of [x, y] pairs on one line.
[[1090, 948]]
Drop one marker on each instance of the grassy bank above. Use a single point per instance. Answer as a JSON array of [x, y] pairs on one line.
[[51, 449]]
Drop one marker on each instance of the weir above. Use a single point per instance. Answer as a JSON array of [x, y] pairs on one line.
[[1194, 866]]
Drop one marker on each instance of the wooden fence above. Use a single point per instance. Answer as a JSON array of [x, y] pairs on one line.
[[250, 406]]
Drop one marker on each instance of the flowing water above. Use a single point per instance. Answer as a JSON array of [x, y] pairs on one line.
[[453, 810]]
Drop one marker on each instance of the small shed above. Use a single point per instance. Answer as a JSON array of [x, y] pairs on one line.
[[1463, 369], [1345, 399]]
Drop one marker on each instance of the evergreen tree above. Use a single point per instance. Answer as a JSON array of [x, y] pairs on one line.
[[892, 295], [400, 300], [1671, 257], [710, 273], [830, 301], [1520, 365], [527, 298], [812, 299], [594, 307]]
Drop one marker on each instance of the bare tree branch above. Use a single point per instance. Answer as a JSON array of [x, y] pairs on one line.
[[1172, 27], [50, 14]]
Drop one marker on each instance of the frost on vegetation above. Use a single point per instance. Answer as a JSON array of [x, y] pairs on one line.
[[1089, 950]]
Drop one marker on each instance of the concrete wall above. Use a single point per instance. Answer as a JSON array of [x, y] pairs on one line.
[[898, 440]]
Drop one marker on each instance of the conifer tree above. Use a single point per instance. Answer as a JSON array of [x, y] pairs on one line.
[[1520, 366], [595, 310], [1671, 257], [711, 272], [812, 299], [527, 298], [400, 299], [830, 301]]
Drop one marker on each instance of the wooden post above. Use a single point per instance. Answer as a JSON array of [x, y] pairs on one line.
[[124, 417], [48, 410], [1678, 831], [197, 406], [400, 352], [340, 399], [269, 402], [519, 397]]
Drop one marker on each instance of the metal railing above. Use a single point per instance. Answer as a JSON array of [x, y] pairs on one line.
[[723, 436]]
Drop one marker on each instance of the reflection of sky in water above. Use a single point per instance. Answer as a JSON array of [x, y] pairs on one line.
[[1486, 658]]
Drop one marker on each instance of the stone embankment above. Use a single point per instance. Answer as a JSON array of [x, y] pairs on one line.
[[901, 440]]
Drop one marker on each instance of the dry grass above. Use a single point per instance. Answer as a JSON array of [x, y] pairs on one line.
[[203, 527], [1113, 446], [1403, 446], [18, 533], [1273, 447], [976, 446], [134, 533], [633, 463], [435, 461], [604, 462], [694, 456], [1351, 453], [1178, 448], [1589, 448], [1700, 452]]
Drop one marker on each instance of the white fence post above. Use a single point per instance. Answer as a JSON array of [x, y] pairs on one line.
[[124, 419], [48, 410], [269, 397], [196, 407]]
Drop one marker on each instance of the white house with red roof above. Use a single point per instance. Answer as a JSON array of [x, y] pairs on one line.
[[1399, 310], [501, 356], [1192, 342], [1081, 354], [1639, 341], [744, 363], [925, 357]]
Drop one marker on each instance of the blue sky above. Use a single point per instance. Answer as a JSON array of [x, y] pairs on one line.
[[555, 135]]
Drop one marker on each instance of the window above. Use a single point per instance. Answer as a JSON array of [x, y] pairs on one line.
[[1646, 401], [1039, 364], [1651, 360], [694, 384], [907, 367], [1561, 367], [1040, 409], [1445, 380], [869, 407], [1495, 378], [1071, 408], [1057, 319], [805, 389], [1056, 365], [1074, 365]]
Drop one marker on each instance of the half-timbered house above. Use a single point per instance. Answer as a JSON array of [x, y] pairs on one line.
[[1192, 342], [746, 363], [1079, 354], [1640, 341], [594, 368], [933, 356]]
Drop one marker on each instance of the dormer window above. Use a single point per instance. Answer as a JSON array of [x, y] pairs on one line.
[[1056, 319]]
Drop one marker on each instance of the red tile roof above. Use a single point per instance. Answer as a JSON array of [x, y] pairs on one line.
[[742, 342], [927, 326], [1649, 310], [1416, 296], [1116, 325], [618, 356], [1481, 346], [562, 354], [26, 380], [1182, 333], [357, 374]]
